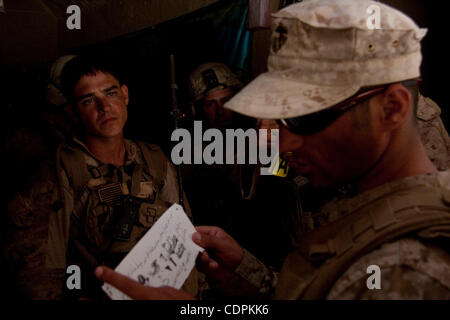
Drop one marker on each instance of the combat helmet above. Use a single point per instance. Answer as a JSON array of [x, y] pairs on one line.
[[209, 77], [53, 92]]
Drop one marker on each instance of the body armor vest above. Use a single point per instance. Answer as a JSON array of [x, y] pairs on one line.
[[327, 252], [113, 208]]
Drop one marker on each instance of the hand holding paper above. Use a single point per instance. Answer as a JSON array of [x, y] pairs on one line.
[[164, 257], [137, 291], [224, 253]]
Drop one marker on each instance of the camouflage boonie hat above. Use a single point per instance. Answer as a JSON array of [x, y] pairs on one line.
[[53, 92], [209, 77], [323, 51]]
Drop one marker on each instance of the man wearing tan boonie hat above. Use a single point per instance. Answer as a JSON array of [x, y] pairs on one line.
[[345, 96], [322, 53]]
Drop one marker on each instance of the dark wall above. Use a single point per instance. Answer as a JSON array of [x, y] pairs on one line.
[[433, 16], [144, 58]]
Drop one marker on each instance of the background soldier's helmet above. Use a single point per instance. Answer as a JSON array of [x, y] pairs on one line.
[[325, 51], [209, 77], [53, 92]]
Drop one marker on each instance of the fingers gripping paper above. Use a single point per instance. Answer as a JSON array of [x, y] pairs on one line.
[[163, 257]]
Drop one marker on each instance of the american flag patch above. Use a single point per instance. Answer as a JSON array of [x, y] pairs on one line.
[[110, 193]]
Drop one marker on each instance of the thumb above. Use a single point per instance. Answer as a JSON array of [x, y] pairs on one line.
[[117, 280], [207, 241], [137, 291]]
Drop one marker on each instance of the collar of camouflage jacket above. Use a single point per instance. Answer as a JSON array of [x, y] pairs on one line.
[[130, 152]]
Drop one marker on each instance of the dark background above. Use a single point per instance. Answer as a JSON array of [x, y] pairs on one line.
[[143, 56]]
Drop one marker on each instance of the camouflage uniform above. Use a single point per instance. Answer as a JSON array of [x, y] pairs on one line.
[[414, 263], [434, 135], [67, 217], [324, 52], [406, 263], [38, 135]]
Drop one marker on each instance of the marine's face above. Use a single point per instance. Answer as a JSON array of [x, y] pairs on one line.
[[338, 154], [101, 105], [216, 114]]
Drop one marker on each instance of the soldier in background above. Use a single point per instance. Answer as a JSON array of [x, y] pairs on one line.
[[221, 195], [60, 121], [36, 139], [434, 135], [212, 189], [97, 199], [211, 85], [345, 98]]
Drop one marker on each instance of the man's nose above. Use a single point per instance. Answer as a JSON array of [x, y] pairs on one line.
[[103, 104], [219, 109], [290, 142]]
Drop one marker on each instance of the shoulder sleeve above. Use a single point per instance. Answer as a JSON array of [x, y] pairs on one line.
[[30, 242], [408, 268], [258, 275]]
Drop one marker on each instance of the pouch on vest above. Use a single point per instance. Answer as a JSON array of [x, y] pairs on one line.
[[126, 211], [150, 212]]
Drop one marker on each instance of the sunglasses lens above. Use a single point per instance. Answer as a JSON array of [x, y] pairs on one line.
[[310, 124], [317, 121], [299, 126]]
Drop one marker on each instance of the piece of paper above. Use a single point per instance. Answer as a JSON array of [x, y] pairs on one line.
[[164, 256]]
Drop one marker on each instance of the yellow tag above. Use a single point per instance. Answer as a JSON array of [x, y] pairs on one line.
[[280, 169]]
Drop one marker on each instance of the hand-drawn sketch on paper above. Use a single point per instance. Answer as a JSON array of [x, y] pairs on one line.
[[164, 256]]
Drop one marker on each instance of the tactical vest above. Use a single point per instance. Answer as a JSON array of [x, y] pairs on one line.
[[327, 252], [113, 208]]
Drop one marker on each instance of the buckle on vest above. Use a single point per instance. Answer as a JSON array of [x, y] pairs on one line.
[[95, 172]]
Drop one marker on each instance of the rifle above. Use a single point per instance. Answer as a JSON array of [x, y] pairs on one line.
[[177, 115]]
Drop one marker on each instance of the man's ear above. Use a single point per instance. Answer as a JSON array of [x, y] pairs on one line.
[[124, 89], [395, 106]]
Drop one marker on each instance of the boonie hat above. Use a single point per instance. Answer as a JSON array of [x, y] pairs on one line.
[[323, 51]]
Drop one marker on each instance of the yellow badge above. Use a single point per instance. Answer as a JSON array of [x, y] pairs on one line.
[[280, 168]]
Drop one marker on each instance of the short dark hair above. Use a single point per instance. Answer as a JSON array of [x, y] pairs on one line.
[[362, 112], [83, 65]]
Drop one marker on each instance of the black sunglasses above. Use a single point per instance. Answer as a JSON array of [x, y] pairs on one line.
[[318, 121]]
